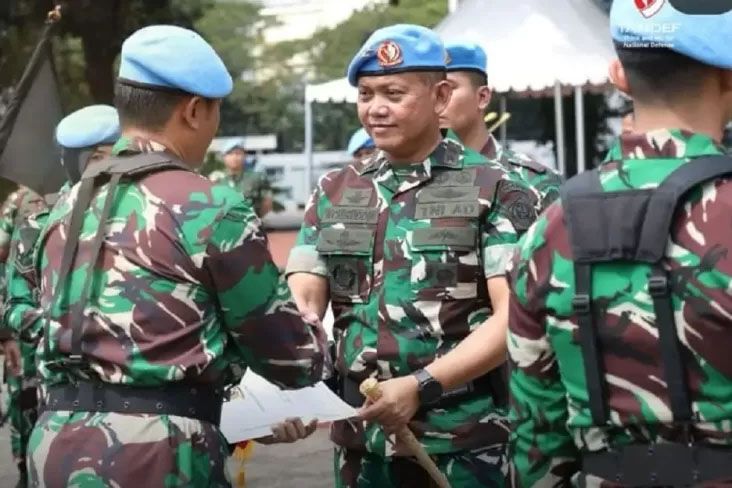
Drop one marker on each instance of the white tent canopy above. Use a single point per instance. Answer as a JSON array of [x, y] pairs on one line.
[[532, 46], [335, 91]]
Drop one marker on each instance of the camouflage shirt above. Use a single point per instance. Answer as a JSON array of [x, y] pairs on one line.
[[16, 207], [184, 289], [17, 210], [548, 383], [542, 178], [254, 185], [407, 251], [22, 312]]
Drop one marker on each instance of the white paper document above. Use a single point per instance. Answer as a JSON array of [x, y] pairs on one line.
[[256, 405]]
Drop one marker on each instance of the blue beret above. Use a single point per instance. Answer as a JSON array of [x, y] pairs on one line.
[[173, 58], [659, 23], [91, 126], [360, 140], [234, 144], [398, 48], [466, 56]]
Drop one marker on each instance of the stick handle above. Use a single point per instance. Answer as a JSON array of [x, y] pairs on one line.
[[370, 389]]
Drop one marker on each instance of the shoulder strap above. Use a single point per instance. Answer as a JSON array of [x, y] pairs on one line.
[[666, 197], [582, 185], [136, 165], [114, 168]]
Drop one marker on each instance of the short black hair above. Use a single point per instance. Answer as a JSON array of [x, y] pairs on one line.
[[477, 78], [660, 74], [145, 108]]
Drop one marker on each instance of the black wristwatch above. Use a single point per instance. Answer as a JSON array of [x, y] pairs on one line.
[[430, 390]]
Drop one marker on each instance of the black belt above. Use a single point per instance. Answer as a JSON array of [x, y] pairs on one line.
[[481, 386], [200, 402], [670, 464]]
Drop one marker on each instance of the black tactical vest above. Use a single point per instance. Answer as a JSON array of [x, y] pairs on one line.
[[634, 225]]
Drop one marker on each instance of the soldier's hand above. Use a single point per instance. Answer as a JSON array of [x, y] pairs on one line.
[[398, 403], [289, 431], [311, 318], [12, 357]]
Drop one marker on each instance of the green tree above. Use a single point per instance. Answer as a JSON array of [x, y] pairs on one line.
[[87, 46], [332, 49]]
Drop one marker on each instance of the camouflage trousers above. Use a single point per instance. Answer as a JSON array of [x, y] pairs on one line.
[[85, 450], [22, 411], [484, 467]]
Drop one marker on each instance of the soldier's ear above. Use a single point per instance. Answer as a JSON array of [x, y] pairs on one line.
[[193, 112], [484, 98], [618, 76], [443, 93]]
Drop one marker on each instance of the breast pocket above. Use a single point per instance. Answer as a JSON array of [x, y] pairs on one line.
[[348, 254], [445, 263]]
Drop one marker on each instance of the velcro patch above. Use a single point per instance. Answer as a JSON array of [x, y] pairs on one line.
[[345, 241], [350, 215], [444, 236], [465, 177], [448, 194], [447, 210], [356, 197]]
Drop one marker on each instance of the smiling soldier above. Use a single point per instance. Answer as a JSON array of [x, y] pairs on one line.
[[410, 245]]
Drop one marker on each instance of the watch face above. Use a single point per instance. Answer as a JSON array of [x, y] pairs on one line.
[[431, 391]]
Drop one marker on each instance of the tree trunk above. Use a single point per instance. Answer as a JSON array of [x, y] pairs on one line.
[[98, 24], [99, 59]]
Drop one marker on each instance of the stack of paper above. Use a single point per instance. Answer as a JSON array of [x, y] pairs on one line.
[[256, 405]]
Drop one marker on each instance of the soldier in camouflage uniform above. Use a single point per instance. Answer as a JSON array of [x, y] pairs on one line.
[[620, 331], [95, 129], [171, 296], [410, 246], [20, 375], [241, 176], [466, 73]]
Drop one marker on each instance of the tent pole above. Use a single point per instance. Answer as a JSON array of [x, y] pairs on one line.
[[559, 127], [308, 149], [504, 129], [579, 114]]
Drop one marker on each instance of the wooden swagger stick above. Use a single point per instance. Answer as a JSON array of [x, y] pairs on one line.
[[371, 390]]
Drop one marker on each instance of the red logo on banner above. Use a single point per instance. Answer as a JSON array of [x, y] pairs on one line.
[[649, 8]]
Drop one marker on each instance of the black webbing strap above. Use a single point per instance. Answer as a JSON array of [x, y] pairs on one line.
[[114, 168], [589, 343], [665, 199], [83, 200], [673, 363], [77, 311], [582, 185]]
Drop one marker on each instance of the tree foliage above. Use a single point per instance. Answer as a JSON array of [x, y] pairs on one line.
[[332, 49]]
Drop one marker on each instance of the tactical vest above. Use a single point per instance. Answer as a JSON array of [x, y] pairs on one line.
[[606, 227], [202, 403]]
